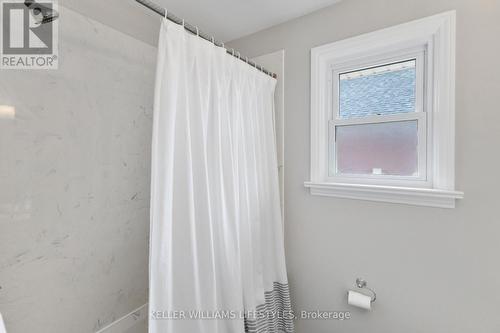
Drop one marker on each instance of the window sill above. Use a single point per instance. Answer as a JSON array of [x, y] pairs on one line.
[[402, 195]]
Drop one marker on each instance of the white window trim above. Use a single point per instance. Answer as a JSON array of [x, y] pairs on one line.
[[437, 35]]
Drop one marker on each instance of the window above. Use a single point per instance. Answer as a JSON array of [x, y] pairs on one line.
[[378, 125], [382, 115]]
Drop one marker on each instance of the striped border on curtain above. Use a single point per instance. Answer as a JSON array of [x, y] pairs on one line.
[[275, 315]]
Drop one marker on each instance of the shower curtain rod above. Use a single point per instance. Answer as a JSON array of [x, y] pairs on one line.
[[194, 29]]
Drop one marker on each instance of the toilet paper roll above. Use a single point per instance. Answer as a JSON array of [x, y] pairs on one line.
[[359, 300]]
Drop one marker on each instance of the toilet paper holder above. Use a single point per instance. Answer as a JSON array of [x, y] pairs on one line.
[[362, 284]]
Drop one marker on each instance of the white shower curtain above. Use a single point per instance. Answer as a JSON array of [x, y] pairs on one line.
[[217, 261]]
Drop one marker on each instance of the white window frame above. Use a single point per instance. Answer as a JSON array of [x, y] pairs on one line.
[[432, 42], [420, 115]]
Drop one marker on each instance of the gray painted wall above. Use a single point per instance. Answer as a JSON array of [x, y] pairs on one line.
[[435, 270], [74, 183]]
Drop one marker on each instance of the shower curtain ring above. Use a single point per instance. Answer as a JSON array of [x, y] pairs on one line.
[[197, 32], [213, 40], [239, 54], [183, 23], [166, 13]]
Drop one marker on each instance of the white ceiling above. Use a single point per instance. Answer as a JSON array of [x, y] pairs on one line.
[[225, 19], [231, 19]]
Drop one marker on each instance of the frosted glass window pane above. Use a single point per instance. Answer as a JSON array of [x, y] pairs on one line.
[[382, 90], [378, 149]]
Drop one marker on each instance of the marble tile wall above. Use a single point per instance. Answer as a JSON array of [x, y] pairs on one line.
[[74, 182]]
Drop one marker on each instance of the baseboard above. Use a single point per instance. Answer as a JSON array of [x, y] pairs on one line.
[[124, 323]]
